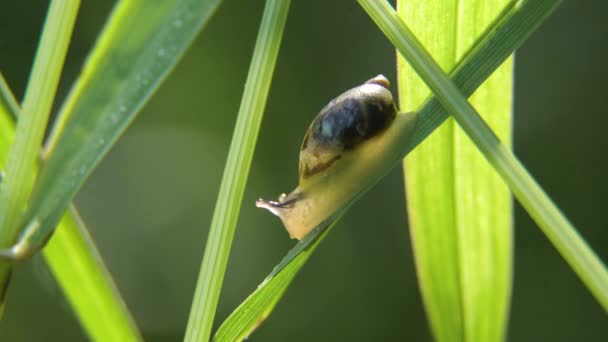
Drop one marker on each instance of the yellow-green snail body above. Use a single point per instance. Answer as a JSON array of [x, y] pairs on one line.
[[345, 150]]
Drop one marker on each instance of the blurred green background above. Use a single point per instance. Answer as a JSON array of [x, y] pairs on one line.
[[149, 203]]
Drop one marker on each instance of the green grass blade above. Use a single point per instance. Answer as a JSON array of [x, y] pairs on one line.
[[7, 102], [39, 95], [75, 262], [140, 44], [8, 113], [236, 170], [459, 209], [79, 269], [258, 306], [551, 221], [514, 25]]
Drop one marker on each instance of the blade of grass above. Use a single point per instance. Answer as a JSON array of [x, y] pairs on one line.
[[8, 113], [86, 282], [460, 221], [236, 170], [7, 101], [138, 47], [439, 283], [552, 222], [39, 95], [73, 258], [506, 34]]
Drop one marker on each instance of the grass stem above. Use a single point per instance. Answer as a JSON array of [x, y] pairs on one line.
[[236, 170]]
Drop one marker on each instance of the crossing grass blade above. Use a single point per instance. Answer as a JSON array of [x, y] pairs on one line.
[[73, 259], [553, 223], [21, 166], [139, 46]]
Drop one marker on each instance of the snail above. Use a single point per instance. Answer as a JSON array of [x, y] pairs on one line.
[[345, 150]]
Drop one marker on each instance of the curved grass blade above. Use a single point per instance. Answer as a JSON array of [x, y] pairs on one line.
[[21, 167], [577, 253], [492, 48], [73, 258], [236, 170], [139, 46], [460, 222]]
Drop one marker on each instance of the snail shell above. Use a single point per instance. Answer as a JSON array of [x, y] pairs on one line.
[[346, 122], [343, 152]]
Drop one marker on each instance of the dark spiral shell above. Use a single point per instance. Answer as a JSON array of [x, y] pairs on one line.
[[350, 119]]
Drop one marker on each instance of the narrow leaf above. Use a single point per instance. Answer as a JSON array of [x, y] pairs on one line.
[[8, 103], [236, 170], [8, 113], [39, 95], [86, 282], [140, 44], [459, 209], [75, 262]]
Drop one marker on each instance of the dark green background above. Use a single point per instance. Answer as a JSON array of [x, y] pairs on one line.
[[149, 203]]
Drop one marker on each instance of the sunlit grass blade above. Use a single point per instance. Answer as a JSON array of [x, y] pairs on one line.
[[140, 44], [459, 209], [8, 113], [78, 268], [552, 222], [39, 95], [8, 103], [515, 24], [73, 259], [236, 170]]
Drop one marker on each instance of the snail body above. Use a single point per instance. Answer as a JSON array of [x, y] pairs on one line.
[[345, 150]]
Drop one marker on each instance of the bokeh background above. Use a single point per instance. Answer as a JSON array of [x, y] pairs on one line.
[[149, 203]]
